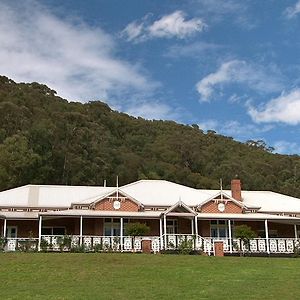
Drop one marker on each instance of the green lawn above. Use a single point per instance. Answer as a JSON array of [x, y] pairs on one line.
[[141, 276]]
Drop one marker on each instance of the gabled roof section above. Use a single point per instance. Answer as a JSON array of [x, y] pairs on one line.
[[164, 193], [225, 197], [95, 200], [182, 206], [49, 196]]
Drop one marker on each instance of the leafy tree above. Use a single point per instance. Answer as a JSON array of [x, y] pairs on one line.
[[137, 229]]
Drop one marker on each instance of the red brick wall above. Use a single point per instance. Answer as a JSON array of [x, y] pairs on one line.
[[126, 205], [204, 227], [230, 207], [1, 226]]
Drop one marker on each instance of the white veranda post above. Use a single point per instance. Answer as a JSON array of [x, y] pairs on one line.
[[267, 236], [192, 226], [296, 232], [196, 225], [80, 231], [229, 235], [121, 234], [161, 233], [165, 232], [4, 229], [40, 233]]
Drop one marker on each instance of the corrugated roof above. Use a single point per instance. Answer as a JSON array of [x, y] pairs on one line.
[[147, 192], [50, 196]]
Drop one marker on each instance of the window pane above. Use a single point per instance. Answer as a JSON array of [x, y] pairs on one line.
[[46, 231], [213, 222], [222, 232], [214, 232], [107, 231], [222, 222], [58, 231]]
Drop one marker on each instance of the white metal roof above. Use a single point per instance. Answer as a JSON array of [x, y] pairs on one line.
[[49, 196], [163, 193], [147, 192]]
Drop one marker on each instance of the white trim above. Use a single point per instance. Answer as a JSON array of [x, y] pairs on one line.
[[229, 199], [296, 232], [180, 204]]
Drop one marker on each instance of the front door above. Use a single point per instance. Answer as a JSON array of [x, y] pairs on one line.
[[11, 231]]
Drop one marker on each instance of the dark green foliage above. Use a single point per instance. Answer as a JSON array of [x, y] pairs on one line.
[[244, 232], [137, 229], [46, 140]]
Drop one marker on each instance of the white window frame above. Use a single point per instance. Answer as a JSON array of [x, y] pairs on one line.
[[173, 228], [114, 225], [217, 226]]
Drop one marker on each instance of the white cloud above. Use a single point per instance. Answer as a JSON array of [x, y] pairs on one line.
[[240, 72], [235, 10], [209, 125], [173, 25], [285, 147], [292, 11], [197, 49], [234, 128], [284, 109], [73, 58], [151, 111]]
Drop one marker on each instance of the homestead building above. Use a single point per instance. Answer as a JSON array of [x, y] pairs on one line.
[[96, 215]]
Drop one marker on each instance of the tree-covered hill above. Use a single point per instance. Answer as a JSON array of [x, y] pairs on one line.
[[47, 140]]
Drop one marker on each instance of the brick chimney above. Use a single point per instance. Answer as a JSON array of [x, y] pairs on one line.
[[236, 189]]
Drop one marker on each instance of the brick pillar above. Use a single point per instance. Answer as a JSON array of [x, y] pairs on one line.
[[219, 248], [146, 246]]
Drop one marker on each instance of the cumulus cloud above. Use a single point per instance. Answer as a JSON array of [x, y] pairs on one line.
[[76, 60], [238, 72], [292, 11], [284, 109], [173, 25]]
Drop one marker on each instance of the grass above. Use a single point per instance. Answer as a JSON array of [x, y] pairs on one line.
[[141, 276]]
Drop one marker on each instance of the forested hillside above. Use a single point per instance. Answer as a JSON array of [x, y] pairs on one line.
[[47, 140]]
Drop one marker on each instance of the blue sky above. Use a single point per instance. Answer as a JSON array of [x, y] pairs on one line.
[[230, 66]]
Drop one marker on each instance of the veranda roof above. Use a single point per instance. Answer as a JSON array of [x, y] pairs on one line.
[[248, 216], [101, 213], [18, 215]]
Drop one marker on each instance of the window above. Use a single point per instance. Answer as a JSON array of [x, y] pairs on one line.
[[172, 227], [218, 229], [53, 230], [112, 226]]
